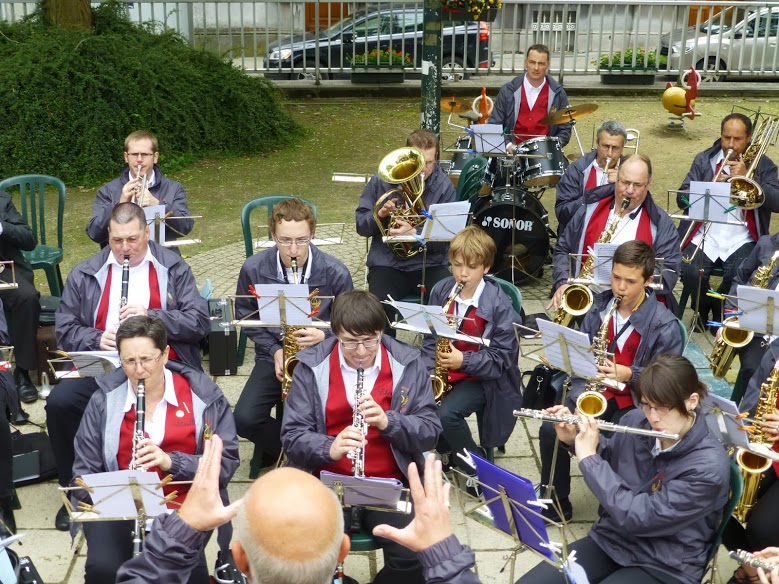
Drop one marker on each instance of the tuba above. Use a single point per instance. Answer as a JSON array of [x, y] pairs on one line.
[[440, 377], [402, 167], [744, 190], [753, 465], [577, 298], [591, 402]]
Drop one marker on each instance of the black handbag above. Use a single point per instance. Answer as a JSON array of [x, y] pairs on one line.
[[543, 387], [33, 458]]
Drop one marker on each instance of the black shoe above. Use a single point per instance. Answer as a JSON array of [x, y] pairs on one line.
[[24, 386], [21, 417], [8, 525], [551, 512], [260, 461], [62, 521], [502, 449]]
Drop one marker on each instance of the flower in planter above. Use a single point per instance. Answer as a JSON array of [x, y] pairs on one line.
[[644, 60], [472, 7], [382, 57]]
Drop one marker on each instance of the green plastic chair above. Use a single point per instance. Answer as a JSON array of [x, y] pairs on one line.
[[510, 290], [736, 490], [364, 543], [246, 226], [471, 179], [32, 200]]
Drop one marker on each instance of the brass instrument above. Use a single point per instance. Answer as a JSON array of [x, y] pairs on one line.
[[140, 192], [125, 281], [747, 559], [591, 402], [734, 338], [290, 345], [577, 298], [608, 426], [357, 455], [138, 436], [402, 167], [744, 190], [606, 171], [440, 377], [753, 465]]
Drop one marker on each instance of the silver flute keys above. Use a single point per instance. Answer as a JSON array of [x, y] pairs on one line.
[[748, 559], [125, 281], [357, 455], [574, 420]]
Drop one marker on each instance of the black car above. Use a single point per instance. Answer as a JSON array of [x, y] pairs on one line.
[[464, 45]]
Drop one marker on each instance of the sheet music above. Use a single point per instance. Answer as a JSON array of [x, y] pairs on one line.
[[604, 253], [448, 220], [581, 359], [296, 304], [724, 427], [714, 206], [430, 319], [488, 138], [88, 364], [113, 497], [366, 491], [753, 303]]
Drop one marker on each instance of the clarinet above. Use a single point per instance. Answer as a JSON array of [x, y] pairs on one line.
[[358, 455], [138, 436], [125, 281]]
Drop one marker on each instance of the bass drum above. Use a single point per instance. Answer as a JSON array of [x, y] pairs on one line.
[[517, 222]]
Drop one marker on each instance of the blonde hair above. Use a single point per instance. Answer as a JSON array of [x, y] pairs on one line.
[[474, 246]]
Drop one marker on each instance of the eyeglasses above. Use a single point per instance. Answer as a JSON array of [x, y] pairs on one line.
[[352, 345], [288, 242], [659, 410], [627, 184], [140, 154], [143, 362]]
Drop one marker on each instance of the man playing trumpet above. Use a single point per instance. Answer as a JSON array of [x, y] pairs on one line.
[[638, 330]]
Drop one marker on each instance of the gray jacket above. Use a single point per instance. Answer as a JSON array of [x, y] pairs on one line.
[[16, 236], [413, 418], [658, 512], [328, 274], [169, 192], [185, 312], [506, 108], [766, 176], [665, 240], [659, 329], [752, 393], [97, 439], [438, 189], [494, 366], [766, 246]]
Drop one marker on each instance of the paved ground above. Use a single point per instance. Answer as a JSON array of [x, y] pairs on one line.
[[59, 561]]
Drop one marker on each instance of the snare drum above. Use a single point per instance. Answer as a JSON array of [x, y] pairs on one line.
[[459, 159], [517, 222], [541, 172]]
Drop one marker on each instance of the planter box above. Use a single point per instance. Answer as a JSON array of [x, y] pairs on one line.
[[627, 76], [377, 75], [488, 15]]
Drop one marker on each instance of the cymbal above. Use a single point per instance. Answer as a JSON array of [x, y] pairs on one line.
[[454, 105], [570, 113]]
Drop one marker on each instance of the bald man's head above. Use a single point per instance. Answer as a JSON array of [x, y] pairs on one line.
[[289, 530]]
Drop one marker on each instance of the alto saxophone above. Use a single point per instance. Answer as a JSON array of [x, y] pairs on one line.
[[440, 377], [577, 298], [753, 465], [357, 455], [591, 402], [733, 338]]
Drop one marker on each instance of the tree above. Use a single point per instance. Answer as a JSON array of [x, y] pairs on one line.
[[68, 13]]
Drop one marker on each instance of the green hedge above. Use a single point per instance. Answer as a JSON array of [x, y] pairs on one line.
[[69, 98]]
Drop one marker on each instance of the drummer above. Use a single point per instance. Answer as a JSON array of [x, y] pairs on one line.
[[527, 99], [590, 171]]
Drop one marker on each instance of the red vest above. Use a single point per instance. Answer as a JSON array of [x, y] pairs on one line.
[[528, 123], [624, 356], [474, 326], [179, 434], [379, 460], [597, 224]]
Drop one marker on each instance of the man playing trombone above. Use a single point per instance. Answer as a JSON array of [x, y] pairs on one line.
[[726, 245]]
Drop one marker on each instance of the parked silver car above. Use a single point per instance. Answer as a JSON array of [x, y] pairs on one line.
[[739, 41]]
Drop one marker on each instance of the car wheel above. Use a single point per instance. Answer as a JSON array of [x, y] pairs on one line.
[[452, 69], [310, 73], [708, 70]]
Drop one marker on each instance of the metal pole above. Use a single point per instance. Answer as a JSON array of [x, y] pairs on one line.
[[431, 66]]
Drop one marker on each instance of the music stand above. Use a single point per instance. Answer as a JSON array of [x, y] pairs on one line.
[[156, 219], [431, 320], [603, 254], [79, 364], [731, 427], [758, 308], [488, 138], [282, 306], [377, 494]]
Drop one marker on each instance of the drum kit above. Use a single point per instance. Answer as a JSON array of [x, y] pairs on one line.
[[508, 207]]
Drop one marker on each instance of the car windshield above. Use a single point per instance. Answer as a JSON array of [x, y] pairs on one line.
[[336, 28], [724, 21]]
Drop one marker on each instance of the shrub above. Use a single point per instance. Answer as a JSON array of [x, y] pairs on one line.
[[382, 57], [69, 98], [616, 60]]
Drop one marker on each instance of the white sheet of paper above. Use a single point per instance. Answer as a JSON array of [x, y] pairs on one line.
[[448, 220], [753, 302], [89, 364], [430, 319], [157, 232], [604, 253], [714, 206], [488, 138], [725, 428], [580, 355], [297, 306], [113, 498], [414, 316]]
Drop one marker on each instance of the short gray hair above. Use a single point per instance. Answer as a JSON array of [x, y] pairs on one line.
[[267, 569], [612, 128]]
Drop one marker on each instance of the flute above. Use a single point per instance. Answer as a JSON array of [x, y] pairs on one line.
[[748, 559], [125, 281], [574, 420]]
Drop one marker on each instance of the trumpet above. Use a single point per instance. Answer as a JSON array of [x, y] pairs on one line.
[[140, 192], [606, 171], [608, 426]]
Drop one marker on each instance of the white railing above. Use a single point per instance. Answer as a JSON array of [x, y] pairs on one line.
[[740, 40]]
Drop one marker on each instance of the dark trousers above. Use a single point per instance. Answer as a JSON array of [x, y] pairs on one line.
[[389, 281], [6, 448], [110, 544], [401, 565], [762, 529], [600, 568], [465, 398], [702, 266], [64, 408], [750, 357], [562, 470], [23, 307], [253, 419]]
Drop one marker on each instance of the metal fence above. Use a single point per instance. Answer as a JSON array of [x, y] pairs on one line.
[[320, 39]]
